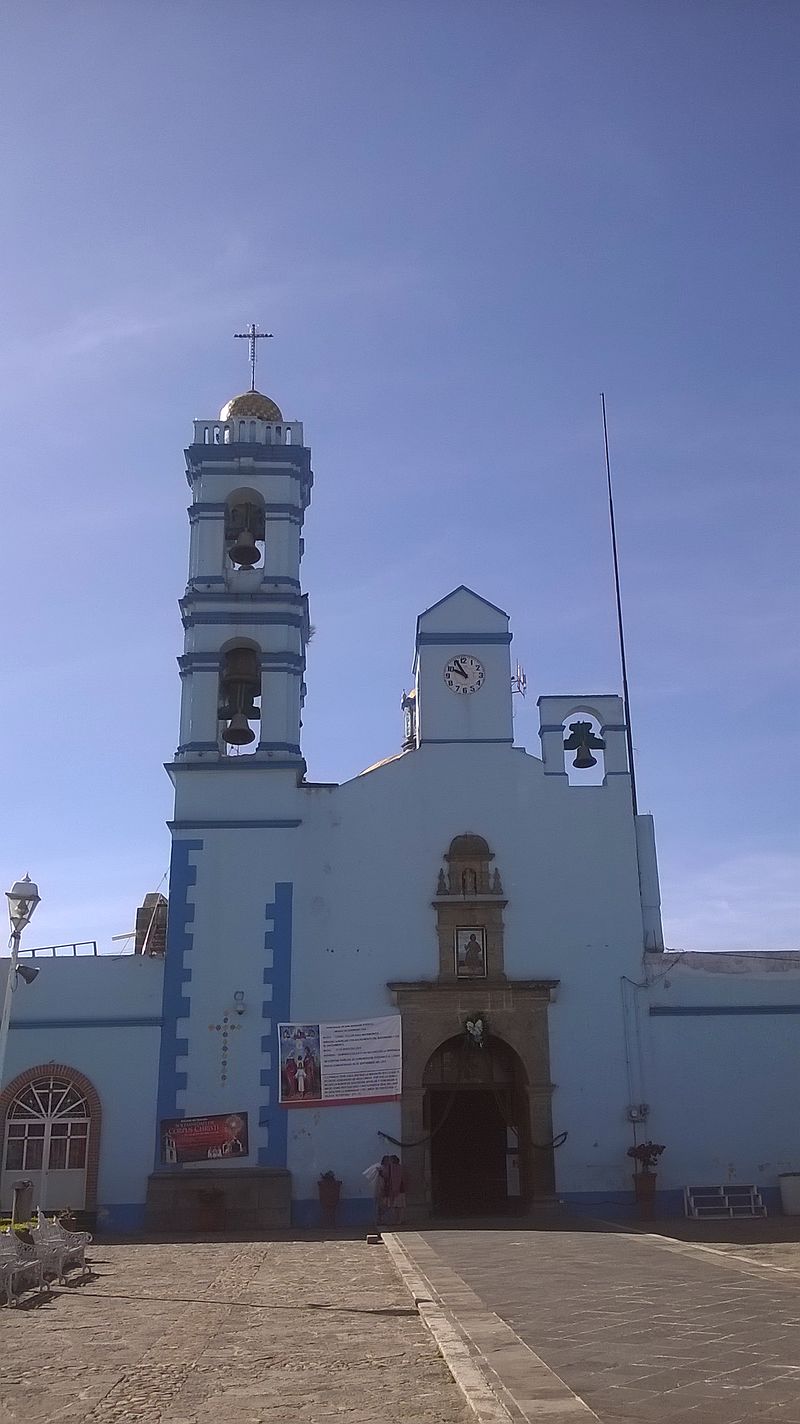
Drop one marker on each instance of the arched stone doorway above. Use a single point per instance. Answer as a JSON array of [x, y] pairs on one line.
[[50, 1121], [477, 1113]]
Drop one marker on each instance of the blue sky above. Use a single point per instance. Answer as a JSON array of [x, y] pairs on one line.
[[461, 221]]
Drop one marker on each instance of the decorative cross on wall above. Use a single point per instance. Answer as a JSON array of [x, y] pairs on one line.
[[226, 1028]]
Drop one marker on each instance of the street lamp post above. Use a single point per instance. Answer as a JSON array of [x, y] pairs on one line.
[[23, 897]]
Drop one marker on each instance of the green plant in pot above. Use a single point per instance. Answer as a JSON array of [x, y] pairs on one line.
[[645, 1156], [329, 1188]]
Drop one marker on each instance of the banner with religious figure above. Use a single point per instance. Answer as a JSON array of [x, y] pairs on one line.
[[325, 1064]]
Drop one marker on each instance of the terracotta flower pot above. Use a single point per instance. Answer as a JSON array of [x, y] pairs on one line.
[[644, 1186], [329, 1193]]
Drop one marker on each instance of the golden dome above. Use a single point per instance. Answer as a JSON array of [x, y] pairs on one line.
[[250, 406]]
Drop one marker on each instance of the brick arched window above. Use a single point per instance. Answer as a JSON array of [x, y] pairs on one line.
[[54, 1088]]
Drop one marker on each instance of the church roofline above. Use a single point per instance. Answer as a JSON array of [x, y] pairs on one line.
[[463, 588]]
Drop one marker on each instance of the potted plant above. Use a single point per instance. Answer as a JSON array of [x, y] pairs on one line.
[[329, 1188], [645, 1156]]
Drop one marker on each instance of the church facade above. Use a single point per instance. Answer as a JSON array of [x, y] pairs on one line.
[[455, 957]]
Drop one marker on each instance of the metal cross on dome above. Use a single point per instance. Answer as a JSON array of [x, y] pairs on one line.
[[252, 334]]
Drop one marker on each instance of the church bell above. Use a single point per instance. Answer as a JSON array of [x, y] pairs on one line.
[[581, 741], [584, 759], [240, 686], [237, 733], [244, 552]]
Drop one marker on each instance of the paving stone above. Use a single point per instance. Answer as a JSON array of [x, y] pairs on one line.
[[288, 1332], [642, 1328]]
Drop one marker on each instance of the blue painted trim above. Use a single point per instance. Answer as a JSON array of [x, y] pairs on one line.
[[292, 460], [275, 1010], [120, 1219], [226, 584], [229, 764], [211, 662], [712, 1010], [211, 506], [233, 825], [175, 1005], [234, 619], [466, 741], [461, 639], [249, 597], [214, 747], [352, 1211], [612, 727], [151, 1022]]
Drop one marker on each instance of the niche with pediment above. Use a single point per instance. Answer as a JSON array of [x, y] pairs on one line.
[[469, 906]]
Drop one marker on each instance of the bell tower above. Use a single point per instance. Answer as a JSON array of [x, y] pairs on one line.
[[244, 615]]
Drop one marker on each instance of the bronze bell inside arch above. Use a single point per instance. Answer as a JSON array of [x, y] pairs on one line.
[[244, 552], [240, 686], [581, 741], [238, 733]]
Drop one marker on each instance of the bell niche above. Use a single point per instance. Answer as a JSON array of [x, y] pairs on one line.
[[239, 699], [245, 530]]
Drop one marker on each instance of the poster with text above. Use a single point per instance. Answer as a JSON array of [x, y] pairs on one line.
[[325, 1064], [203, 1139]]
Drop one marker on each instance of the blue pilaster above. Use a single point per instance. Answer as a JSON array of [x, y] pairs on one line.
[[274, 1010], [177, 978]]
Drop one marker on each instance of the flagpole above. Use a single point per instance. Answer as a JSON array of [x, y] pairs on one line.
[[620, 628]]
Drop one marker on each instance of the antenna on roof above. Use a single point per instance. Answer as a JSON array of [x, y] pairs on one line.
[[625, 697]]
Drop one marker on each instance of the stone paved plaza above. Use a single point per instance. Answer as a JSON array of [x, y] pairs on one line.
[[288, 1331], [642, 1327], [578, 1320]]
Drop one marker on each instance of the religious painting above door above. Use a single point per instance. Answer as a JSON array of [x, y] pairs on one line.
[[470, 951]]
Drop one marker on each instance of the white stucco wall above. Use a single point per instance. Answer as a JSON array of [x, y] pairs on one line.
[[725, 1072], [84, 1013]]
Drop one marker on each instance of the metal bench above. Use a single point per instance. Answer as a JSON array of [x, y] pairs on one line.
[[730, 1200], [20, 1268], [58, 1249]]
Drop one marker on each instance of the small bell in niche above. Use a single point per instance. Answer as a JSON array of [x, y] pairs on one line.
[[582, 742], [244, 553], [240, 686], [238, 733]]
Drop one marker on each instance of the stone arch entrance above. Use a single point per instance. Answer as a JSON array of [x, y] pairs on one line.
[[50, 1134], [476, 1110]]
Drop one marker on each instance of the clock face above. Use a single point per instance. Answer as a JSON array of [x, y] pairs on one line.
[[464, 673]]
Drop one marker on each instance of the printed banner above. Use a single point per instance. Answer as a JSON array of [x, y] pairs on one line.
[[324, 1064], [202, 1139]]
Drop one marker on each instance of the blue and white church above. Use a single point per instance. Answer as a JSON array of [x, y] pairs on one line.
[[456, 957]]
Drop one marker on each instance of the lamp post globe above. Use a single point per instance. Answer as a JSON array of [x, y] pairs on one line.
[[23, 897]]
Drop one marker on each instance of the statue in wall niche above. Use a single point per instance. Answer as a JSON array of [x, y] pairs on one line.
[[441, 884], [497, 884], [469, 882], [582, 741]]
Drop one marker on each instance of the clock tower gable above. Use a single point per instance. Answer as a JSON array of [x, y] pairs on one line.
[[463, 671]]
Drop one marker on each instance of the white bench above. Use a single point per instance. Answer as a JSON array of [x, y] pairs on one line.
[[730, 1200], [19, 1263], [58, 1249]]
